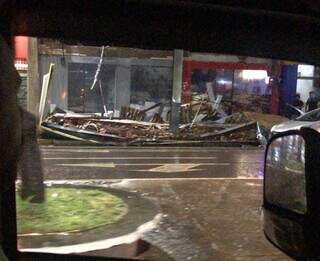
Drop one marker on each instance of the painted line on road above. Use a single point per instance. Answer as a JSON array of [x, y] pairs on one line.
[[173, 168], [129, 158], [75, 150], [129, 150], [98, 158], [62, 181], [112, 165]]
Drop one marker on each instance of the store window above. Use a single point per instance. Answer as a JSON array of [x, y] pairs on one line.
[[241, 90], [150, 84], [308, 80], [81, 98], [251, 91], [305, 70]]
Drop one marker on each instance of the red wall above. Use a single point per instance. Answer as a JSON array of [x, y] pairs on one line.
[[21, 47]]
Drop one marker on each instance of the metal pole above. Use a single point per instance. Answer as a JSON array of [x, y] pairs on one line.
[[102, 99], [176, 90], [232, 90]]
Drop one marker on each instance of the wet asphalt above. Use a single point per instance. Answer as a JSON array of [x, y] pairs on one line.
[[149, 163], [209, 198]]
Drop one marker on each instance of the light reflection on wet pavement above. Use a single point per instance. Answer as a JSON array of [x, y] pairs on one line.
[[157, 162], [209, 220], [210, 212]]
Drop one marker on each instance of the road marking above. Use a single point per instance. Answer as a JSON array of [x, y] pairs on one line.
[[74, 150], [116, 181], [130, 150], [112, 165], [171, 168], [91, 165], [129, 158]]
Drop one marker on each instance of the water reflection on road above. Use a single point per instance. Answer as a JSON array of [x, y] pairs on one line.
[[208, 198]]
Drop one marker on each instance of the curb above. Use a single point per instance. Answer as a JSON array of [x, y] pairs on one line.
[[124, 238]]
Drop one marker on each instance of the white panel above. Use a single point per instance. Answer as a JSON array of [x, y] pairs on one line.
[[304, 87], [305, 70]]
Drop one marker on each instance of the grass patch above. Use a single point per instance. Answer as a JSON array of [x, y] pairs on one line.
[[68, 209]]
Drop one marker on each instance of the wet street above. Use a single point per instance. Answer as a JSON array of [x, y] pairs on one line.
[[151, 163], [209, 198]]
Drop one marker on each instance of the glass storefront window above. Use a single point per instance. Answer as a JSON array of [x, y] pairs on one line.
[[304, 86], [150, 83], [305, 70], [81, 98]]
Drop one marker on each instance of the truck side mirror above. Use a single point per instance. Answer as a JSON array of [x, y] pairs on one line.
[[290, 208]]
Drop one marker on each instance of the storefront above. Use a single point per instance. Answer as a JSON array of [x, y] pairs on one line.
[[243, 86]]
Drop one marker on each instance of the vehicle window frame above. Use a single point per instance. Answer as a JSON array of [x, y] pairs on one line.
[[243, 51]]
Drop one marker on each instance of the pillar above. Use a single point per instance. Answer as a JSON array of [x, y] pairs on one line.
[[33, 83], [288, 87], [176, 90], [122, 86]]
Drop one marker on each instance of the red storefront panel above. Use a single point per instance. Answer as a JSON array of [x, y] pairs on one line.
[[21, 47]]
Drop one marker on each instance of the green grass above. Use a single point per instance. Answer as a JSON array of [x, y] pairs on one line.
[[68, 209]]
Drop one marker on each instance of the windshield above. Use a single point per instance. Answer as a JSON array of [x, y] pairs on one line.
[[310, 116], [160, 145]]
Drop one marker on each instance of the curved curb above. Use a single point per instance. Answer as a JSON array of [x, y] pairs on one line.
[[141, 217], [101, 244]]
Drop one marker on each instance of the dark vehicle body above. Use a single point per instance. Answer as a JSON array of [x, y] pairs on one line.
[[294, 230]]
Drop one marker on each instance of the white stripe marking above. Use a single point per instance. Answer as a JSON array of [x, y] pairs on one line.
[[128, 158], [115, 181], [74, 150], [171, 168], [91, 165], [129, 149], [112, 165]]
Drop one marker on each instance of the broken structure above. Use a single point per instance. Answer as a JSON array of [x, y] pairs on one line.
[[102, 95]]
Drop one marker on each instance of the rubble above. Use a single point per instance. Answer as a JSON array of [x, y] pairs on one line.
[[257, 103], [130, 128], [240, 127], [266, 121], [202, 121], [101, 130]]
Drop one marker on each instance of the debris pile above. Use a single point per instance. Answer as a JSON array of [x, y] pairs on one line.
[[266, 121], [257, 103], [205, 119], [103, 130], [202, 123]]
